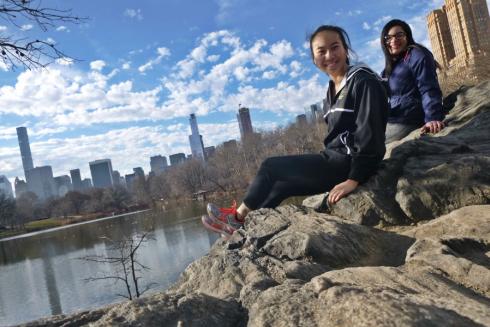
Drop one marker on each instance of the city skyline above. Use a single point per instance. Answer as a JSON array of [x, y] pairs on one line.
[[101, 171], [129, 101]]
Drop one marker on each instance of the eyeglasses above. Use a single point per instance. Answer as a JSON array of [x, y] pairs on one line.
[[397, 36]]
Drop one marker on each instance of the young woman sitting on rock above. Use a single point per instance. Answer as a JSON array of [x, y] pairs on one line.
[[415, 94], [356, 110]]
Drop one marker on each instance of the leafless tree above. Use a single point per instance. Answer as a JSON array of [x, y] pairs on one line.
[[7, 210], [24, 51], [122, 255]]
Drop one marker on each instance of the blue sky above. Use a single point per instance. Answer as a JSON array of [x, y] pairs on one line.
[[146, 65]]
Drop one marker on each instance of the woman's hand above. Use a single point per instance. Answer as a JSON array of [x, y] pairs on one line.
[[432, 127], [341, 190]]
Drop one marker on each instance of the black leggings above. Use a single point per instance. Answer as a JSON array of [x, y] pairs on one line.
[[281, 177]]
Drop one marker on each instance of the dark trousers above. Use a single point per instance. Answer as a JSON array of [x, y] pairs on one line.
[[281, 177]]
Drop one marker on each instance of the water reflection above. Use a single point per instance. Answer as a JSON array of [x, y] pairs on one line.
[[42, 275]]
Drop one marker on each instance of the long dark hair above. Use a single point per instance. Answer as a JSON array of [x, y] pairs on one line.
[[344, 38], [410, 43]]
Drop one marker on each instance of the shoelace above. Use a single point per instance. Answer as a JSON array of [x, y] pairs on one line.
[[231, 211]]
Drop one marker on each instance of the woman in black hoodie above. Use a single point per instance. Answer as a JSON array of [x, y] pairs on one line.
[[356, 110]]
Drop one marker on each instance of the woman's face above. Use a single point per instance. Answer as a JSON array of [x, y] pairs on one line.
[[396, 40], [329, 55]]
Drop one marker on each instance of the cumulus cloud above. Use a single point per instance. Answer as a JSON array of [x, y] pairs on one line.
[[162, 53], [215, 75], [3, 28], [62, 29], [97, 65], [65, 61], [213, 58], [126, 65], [26, 27], [133, 13], [418, 24], [381, 21], [366, 26]]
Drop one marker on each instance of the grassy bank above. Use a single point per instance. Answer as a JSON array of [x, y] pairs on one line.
[[32, 226], [37, 225]]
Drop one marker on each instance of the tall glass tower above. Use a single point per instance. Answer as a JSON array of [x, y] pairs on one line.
[[25, 149], [195, 140], [244, 122]]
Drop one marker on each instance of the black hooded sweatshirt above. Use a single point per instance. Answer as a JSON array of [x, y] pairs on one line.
[[356, 117]]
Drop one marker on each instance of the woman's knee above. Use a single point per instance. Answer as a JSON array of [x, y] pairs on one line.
[[270, 163]]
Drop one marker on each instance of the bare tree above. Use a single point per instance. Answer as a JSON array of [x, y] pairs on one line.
[[123, 256], [26, 52], [7, 210]]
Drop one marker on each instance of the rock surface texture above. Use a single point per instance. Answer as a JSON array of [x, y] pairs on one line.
[[410, 248]]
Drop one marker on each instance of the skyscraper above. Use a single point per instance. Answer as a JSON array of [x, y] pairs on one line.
[[76, 179], [63, 185], [6, 186], [195, 139], [41, 182], [313, 112], [20, 187], [116, 177], [244, 122], [86, 183], [440, 36], [158, 164], [176, 158], [101, 171], [25, 149], [139, 172], [460, 37]]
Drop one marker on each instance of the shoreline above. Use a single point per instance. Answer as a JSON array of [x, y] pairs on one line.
[[68, 225]]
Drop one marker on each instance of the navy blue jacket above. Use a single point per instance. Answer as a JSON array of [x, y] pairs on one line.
[[356, 118], [415, 94]]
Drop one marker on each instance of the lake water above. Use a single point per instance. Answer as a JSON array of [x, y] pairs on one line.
[[42, 274]]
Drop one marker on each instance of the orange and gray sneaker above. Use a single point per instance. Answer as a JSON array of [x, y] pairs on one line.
[[217, 226], [228, 216]]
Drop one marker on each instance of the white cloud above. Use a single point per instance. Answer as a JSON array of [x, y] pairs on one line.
[[296, 69], [3, 28], [194, 86], [26, 27], [162, 53], [269, 74], [50, 41], [65, 61], [382, 21], [366, 26], [62, 29], [213, 58], [241, 73], [225, 8], [354, 12], [3, 66], [97, 65], [420, 32], [133, 13], [126, 65]]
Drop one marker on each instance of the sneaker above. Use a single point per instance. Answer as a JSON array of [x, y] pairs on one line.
[[228, 216], [217, 226]]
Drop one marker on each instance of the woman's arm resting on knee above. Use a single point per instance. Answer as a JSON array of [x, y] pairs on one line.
[[341, 190]]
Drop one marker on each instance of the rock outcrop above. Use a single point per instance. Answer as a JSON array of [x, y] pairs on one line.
[[425, 263]]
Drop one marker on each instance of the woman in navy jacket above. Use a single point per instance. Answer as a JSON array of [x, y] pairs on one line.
[[356, 111], [415, 94]]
